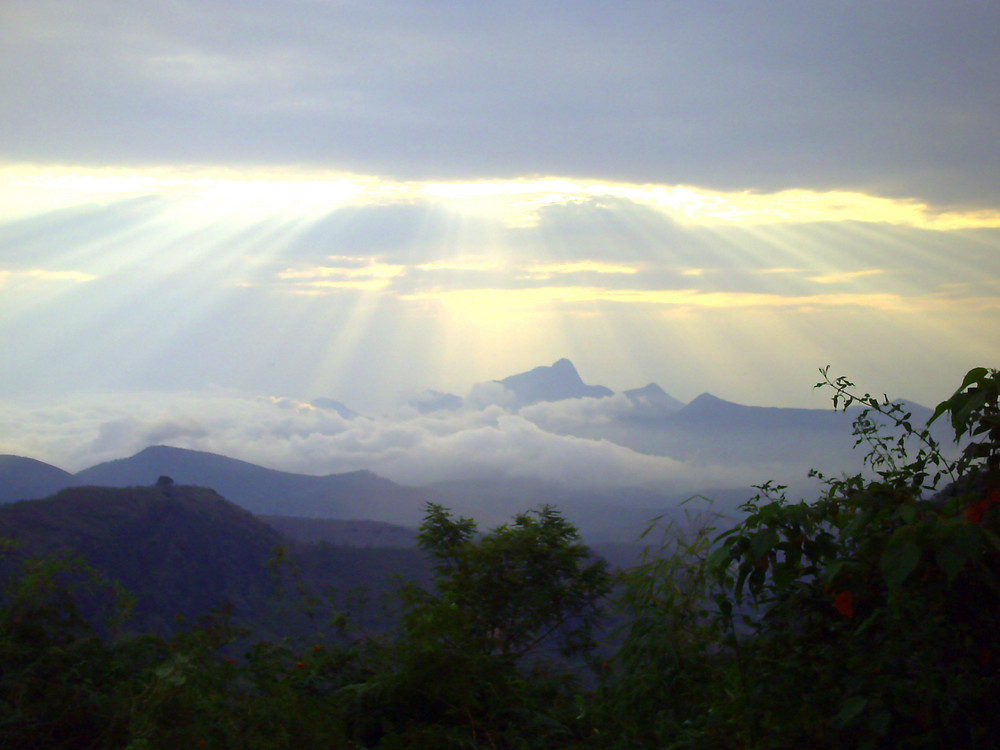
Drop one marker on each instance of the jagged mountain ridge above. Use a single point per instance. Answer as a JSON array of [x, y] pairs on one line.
[[553, 383]]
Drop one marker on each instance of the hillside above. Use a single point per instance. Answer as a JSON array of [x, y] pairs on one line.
[[186, 550], [359, 495], [25, 478], [342, 533]]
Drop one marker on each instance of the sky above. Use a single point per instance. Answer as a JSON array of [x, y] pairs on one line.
[[207, 206]]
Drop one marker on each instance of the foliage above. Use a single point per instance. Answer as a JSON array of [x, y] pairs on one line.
[[513, 592], [474, 661], [443, 679], [868, 617], [674, 616]]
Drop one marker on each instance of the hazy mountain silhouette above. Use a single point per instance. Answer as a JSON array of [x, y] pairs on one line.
[[653, 401], [555, 383], [343, 533], [26, 479], [334, 405], [712, 431], [353, 495]]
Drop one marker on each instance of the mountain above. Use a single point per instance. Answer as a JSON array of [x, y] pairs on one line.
[[183, 550], [343, 533], [601, 515], [653, 401], [355, 495], [334, 405], [555, 383], [751, 444], [25, 479]]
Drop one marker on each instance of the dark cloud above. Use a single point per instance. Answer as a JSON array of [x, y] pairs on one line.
[[893, 98]]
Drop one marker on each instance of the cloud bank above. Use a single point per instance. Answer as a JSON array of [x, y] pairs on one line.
[[478, 441]]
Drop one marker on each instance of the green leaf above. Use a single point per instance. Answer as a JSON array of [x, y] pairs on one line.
[[951, 559], [898, 561], [962, 543], [763, 541], [975, 375], [831, 571], [850, 709]]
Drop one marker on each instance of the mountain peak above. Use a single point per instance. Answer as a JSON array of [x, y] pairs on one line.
[[554, 383], [564, 366], [651, 400], [707, 402]]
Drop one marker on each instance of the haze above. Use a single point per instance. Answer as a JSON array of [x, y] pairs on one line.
[[213, 213]]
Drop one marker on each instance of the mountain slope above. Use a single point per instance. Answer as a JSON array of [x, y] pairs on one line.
[[653, 401], [25, 479], [183, 550], [356, 495]]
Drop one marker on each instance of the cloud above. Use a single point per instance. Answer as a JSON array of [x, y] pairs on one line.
[[878, 98], [42, 275], [837, 278], [517, 203], [286, 434], [546, 271]]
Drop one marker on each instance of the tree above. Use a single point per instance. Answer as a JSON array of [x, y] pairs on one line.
[[525, 587], [476, 660], [880, 600]]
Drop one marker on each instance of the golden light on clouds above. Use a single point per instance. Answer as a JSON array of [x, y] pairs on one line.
[[499, 302], [837, 278], [44, 275], [548, 270], [29, 189]]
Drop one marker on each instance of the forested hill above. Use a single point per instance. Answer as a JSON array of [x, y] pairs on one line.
[[184, 550]]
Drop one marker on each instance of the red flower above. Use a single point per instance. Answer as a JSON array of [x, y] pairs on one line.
[[974, 513], [300, 665], [845, 603]]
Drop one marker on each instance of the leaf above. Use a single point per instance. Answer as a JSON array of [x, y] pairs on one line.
[[975, 375], [850, 709], [951, 559], [898, 561], [831, 571], [762, 542], [962, 543]]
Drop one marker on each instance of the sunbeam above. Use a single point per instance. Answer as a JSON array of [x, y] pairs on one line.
[[305, 283]]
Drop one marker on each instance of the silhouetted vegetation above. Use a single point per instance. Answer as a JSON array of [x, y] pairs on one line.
[[867, 617]]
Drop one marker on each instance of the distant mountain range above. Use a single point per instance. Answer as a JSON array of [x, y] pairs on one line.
[[709, 432], [358, 508], [358, 495], [555, 382]]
